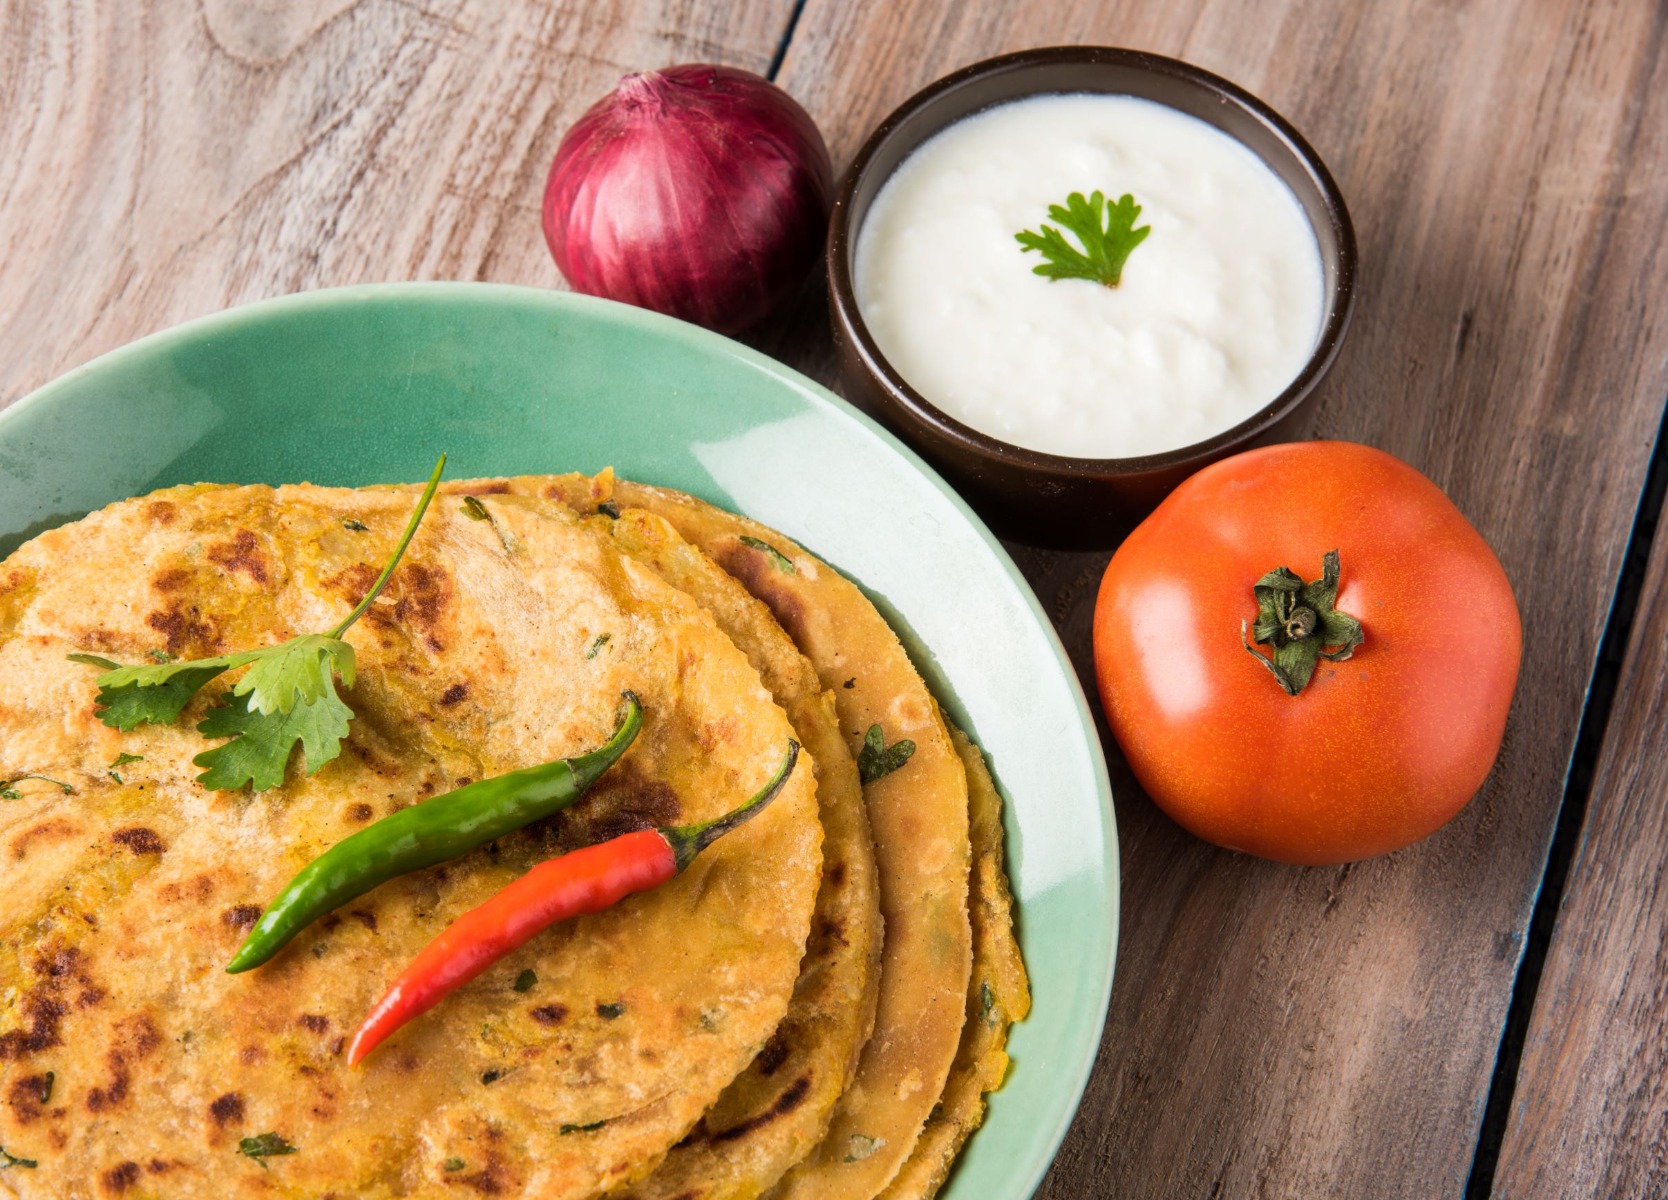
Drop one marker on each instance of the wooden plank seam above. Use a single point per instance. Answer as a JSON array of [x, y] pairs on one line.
[[1572, 814], [787, 39]]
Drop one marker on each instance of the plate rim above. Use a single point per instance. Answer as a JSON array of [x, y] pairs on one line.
[[707, 342]]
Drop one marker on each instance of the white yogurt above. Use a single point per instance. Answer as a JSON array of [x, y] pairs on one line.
[[1217, 310]]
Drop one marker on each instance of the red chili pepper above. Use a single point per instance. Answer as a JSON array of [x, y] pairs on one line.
[[585, 881]]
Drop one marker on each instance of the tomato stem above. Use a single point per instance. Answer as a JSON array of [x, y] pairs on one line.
[[1298, 622]]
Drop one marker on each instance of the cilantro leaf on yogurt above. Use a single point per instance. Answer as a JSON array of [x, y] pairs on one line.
[[1106, 231]]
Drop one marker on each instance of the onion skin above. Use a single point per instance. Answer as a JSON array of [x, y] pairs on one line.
[[699, 191]]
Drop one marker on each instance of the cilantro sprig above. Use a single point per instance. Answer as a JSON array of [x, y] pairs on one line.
[[287, 696], [1107, 233]]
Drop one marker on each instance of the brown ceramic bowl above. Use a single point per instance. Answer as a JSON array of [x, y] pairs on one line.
[[1050, 499]]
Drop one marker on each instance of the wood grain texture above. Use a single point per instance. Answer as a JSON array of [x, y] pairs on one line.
[[1591, 1102], [1274, 1032], [169, 158], [1291, 1033]]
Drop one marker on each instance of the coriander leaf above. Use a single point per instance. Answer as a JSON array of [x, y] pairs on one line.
[[453, 1164], [609, 509], [876, 760], [610, 1012], [353, 526], [474, 509], [266, 1145], [526, 981], [1107, 233], [157, 693], [290, 686], [12, 1160], [296, 672], [261, 743], [777, 558], [567, 1129], [597, 645]]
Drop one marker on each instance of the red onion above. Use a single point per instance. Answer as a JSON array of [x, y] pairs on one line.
[[698, 191]]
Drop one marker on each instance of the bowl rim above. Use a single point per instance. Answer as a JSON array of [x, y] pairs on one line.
[[841, 246]]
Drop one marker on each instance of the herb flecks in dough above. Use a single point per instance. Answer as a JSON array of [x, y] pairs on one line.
[[9, 789], [777, 559], [264, 1146], [876, 760]]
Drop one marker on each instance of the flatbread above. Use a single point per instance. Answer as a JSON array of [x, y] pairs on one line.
[[778, 1108], [120, 904], [997, 996], [919, 814]]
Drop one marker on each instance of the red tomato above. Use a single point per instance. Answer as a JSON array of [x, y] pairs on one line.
[[1378, 750]]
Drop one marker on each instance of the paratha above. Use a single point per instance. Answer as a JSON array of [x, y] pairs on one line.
[[778, 1108], [919, 813], [130, 1064], [997, 996]]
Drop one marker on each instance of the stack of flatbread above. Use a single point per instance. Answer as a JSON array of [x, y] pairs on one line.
[[815, 1008]]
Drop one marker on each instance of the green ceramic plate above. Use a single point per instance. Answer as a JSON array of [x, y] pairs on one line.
[[367, 385]]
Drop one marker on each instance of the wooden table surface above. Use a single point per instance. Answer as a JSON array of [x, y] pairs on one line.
[[1481, 1013]]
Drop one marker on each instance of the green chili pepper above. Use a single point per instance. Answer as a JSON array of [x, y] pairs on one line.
[[434, 831]]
